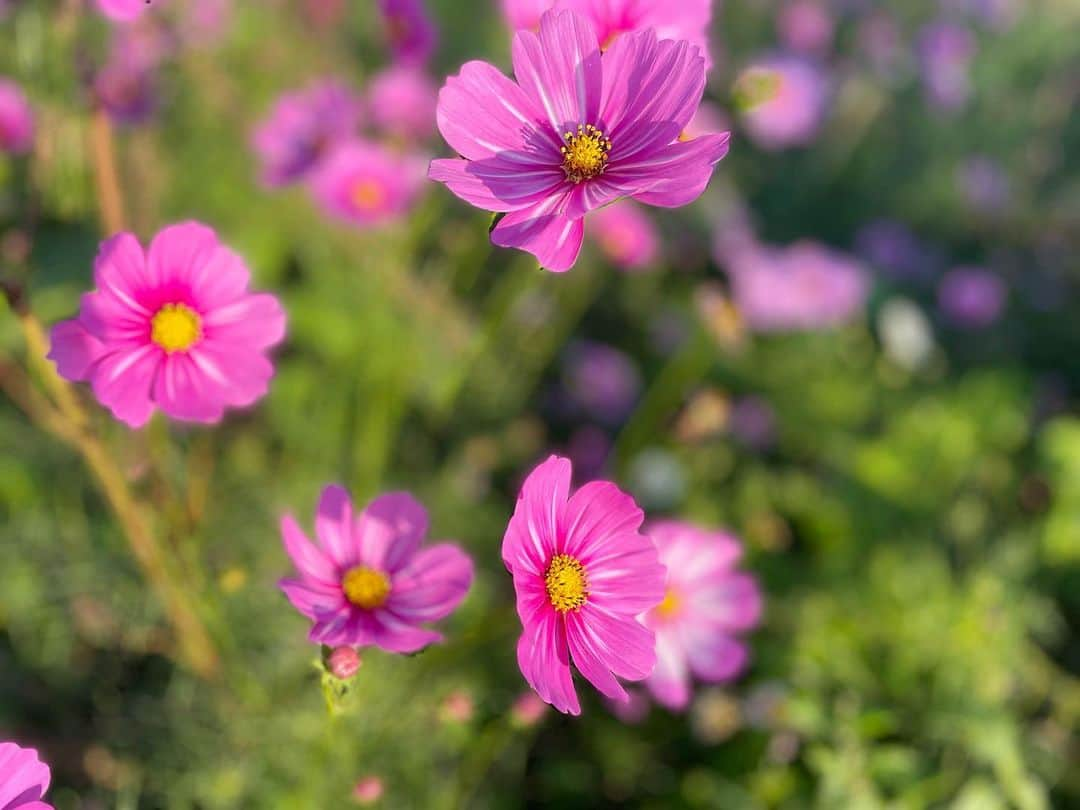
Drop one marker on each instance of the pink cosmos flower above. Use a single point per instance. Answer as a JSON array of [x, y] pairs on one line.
[[124, 11], [576, 132], [173, 328], [783, 102], [302, 127], [409, 30], [627, 236], [401, 103], [365, 184], [706, 605], [684, 19], [23, 778], [16, 119], [806, 26], [368, 582], [583, 574], [368, 790]]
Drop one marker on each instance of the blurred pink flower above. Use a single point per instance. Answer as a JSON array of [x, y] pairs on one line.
[[173, 328], [302, 126], [575, 133], [124, 11], [783, 101], [972, 297], [16, 119], [457, 707], [527, 710], [671, 19], [602, 380], [409, 30], [634, 710], [806, 26], [344, 663], [626, 235], [583, 573], [125, 90], [401, 103], [366, 184], [23, 778], [368, 790], [368, 582], [708, 118], [802, 287], [706, 605], [945, 52]]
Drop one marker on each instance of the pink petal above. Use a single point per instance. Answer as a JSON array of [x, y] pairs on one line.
[[623, 644], [498, 184], [333, 527], [120, 272], [218, 276], [122, 382], [394, 635], [713, 655], [22, 775], [589, 657], [114, 321], [545, 662], [73, 350], [733, 603], [351, 627], [179, 252], [183, 391], [560, 69], [670, 681], [678, 173], [253, 321], [390, 530], [241, 376], [432, 585], [597, 515], [531, 534], [309, 560], [545, 232], [314, 600], [482, 114]]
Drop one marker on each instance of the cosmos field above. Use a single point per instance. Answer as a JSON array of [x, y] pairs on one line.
[[539, 403]]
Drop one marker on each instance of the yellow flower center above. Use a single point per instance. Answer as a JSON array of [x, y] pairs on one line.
[[175, 328], [567, 587], [365, 587], [585, 155], [368, 195], [670, 606]]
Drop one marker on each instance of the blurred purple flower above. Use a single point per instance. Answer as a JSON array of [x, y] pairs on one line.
[[802, 287], [752, 421], [806, 26], [16, 119], [878, 39], [401, 103], [604, 381], [945, 52], [783, 101], [302, 126], [588, 450], [892, 247], [984, 184], [125, 89], [409, 30], [366, 184], [972, 297], [626, 235]]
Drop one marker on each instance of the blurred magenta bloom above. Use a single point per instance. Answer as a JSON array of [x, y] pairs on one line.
[[125, 90], [783, 101], [302, 126], [984, 183], [401, 103], [806, 26], [892, 247], [626, 235], [583, 573], [23, 778], [16, 119], [173, 328], [368, 582], [707, 604], [945, 52], [577, 131], [708, 118], [802, 287], [753, 422], [124, 11], [527, 710], [366, 184], [368, 790], [972, 297], [343, 663], [409, 30], [604, 381], [680, 20]]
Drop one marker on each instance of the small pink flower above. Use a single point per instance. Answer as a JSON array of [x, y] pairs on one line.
[[409, 30], [806, 26], [366, 184], [626, 235], [527, 710], [576, 132], [583, 574], [124, 11], [343, 663], [784, 102], [707, 603], [302, 127], [368, 790], [457, 707], [173, 327], [16, 119], [401, 103], [368, 582], [23, 778]]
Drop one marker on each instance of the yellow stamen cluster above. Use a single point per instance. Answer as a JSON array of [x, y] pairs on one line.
[[365, 587], [567, 587], [368, 195], [175, 328], [585, 155], [670, 606]]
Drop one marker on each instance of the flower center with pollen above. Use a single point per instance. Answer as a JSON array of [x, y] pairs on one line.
[[585, 154], [367, 195], [670, 606], [175, 328], [365, 587], [567, 587]]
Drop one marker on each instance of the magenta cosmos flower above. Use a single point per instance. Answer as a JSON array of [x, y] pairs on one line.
[[16, 119], [583, 574], [784, 101], [23, 779], [366, 184], [302, 126], [626, 236], [706, 605], [409, 30], [173, 328], [401, 103], [124, 11], [576, 132], [368, 582]]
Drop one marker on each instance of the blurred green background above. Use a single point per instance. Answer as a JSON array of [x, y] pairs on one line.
[[915, 526]]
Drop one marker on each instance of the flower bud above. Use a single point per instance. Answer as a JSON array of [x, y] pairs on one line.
[[343, 663]]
